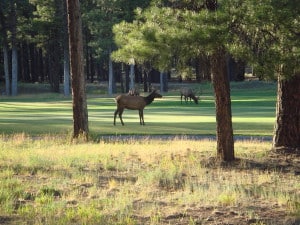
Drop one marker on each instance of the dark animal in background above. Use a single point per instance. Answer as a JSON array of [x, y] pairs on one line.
[[133, 92], [188, 93], [135, 103]]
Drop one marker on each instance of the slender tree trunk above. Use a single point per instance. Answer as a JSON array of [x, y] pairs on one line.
[[163, 82], [205, 67], [14, 57], [225, 144], [66, 72], [6, 69], [80, 113], [131, 76], [111, 80], [14, 71], [55, 57], [287, 127], [145, 79], [66, 52]]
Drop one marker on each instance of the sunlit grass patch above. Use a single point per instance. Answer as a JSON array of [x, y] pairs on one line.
[[253, 111], [136, 181]]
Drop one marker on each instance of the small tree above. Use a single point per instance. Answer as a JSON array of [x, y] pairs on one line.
[[80, 113]]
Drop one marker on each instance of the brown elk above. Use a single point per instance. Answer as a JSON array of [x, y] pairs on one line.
[[188, 93], [135, 103]]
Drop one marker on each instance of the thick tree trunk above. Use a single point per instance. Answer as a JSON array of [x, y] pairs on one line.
[[287, 126], [225, 144], [80, 113]]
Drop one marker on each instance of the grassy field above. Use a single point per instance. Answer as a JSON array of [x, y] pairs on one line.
[[45, 178], [178, 181], [35, 113]]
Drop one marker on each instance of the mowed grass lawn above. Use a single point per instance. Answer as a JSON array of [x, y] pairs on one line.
[[253, 109]]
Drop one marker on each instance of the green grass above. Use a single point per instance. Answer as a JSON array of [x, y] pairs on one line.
[[53, 181], [253, 110]]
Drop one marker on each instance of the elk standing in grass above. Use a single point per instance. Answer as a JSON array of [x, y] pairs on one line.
[[188, 93], [135, 103]]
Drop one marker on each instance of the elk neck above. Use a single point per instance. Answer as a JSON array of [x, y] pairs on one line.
[[149, 99]]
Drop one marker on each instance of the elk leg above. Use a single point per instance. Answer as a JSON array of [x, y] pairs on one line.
[[186, 99], [181, 99], [120, 115], [141, 117], [115, 115]]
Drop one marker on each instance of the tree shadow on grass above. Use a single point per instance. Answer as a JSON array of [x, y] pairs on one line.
[[274, 161]]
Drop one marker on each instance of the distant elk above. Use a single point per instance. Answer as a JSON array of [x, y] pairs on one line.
[[135, 103], [188, 93]]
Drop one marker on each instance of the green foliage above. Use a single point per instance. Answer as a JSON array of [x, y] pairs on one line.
[[99, 18], [265, 33]]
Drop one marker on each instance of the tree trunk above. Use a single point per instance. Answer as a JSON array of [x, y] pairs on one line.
[[131, 76], [66, 52], [163, 82], [6, 69], [110, 75], [225, 144], [80, 113], [287, 127], [14, 71], [66, 72], [54, 65], [205, 67], [14, 57]]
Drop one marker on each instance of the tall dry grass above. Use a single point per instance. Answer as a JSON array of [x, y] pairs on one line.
[[50, 180]]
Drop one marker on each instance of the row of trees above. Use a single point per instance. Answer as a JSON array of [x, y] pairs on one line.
[[165, 34], [35, 45], [34, 40]]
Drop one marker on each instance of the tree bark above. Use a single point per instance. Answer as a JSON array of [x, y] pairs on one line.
[[131, 76], [111, 80], [287, 127], [225, 144], [66, 52], [80, 113], [6, 69], [14, 57], [66, 72], [14, 71]]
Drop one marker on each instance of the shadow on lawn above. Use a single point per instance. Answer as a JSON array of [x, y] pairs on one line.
[[275, 161]]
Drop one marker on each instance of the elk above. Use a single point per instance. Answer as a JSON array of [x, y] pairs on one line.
[[188, 93], [135, 103]]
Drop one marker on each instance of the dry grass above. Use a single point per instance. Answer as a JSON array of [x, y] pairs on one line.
[[53, 181]]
